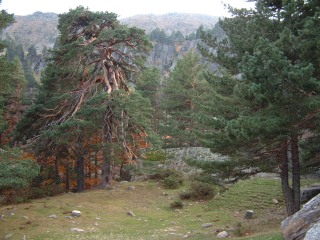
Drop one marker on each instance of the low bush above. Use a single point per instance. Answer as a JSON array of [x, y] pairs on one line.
[[199, 190], [172, 182], [170, 178], [176, 205], [163, 173]]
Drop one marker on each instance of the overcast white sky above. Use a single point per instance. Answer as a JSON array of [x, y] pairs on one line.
[[124, 8]]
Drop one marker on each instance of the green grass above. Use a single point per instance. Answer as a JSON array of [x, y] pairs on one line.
[[104, 214]]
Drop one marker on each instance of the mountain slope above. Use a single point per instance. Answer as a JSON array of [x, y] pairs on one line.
[[40, 29], [184, 22]]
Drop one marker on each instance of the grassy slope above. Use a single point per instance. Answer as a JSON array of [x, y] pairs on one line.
[[104, 214]]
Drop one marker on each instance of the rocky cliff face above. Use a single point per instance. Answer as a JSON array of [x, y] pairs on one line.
[[166, 56]]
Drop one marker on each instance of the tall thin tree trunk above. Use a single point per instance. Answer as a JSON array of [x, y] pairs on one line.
[[295, 173], [80, 166], [108, 161], [286, 189], [56, 171], [107, 166], [67, 176]]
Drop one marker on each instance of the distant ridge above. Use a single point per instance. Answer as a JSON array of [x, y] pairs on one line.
[[186, 23], [40, 29]]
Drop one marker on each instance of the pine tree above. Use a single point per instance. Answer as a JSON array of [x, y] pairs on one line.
[[149, 85], [277, 88], [85, 91], [184, 93]]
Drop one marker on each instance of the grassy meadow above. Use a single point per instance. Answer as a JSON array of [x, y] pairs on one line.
[[104, 213]]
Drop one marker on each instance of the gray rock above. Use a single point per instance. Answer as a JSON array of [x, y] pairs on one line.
[[249, 214], [8, 236], [77, 230], [313, 233], [249, 171], [223, 234], [207, 225], [267, 175], [53, 216], [131, 188], [309, 192], [130, 213], [296, 226], [276, 201], [76, 213]]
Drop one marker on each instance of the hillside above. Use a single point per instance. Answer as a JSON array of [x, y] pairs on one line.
[[40, 29]]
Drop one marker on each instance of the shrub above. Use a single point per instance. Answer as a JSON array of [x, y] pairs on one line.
[[176, 204], [163, 173], [199, 190], [185, 195], [202, 190], [171, 182], [156, 156], [171, 178]]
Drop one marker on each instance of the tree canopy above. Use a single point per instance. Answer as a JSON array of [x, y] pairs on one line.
[[274, 78]]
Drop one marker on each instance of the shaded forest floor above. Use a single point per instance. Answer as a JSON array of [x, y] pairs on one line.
[[104, 214]]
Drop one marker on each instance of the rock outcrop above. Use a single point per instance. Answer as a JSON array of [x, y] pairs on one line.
[[296, 226], [309, 192]]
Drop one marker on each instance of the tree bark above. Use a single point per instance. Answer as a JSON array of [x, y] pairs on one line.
[[56, 172], [107, 166], [286, 189], [295, 173], [80, 167], [108, 161], [67, 176]]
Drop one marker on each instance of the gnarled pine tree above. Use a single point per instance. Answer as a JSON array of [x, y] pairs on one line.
[[86, 81]]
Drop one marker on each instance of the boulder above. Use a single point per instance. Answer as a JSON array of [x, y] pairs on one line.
[[77, 230], [207, 225], [313, 233], [76, 213], [130, 213], [249, 214], [296, 226], [309, 192], [223, 234]]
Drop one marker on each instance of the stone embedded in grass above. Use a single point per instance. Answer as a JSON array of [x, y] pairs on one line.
[[76, 213], [207, 225], [249, 214], [77, 230], [53, 216], [130, 213], [131, 188], [223, 234], [8, 236]]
